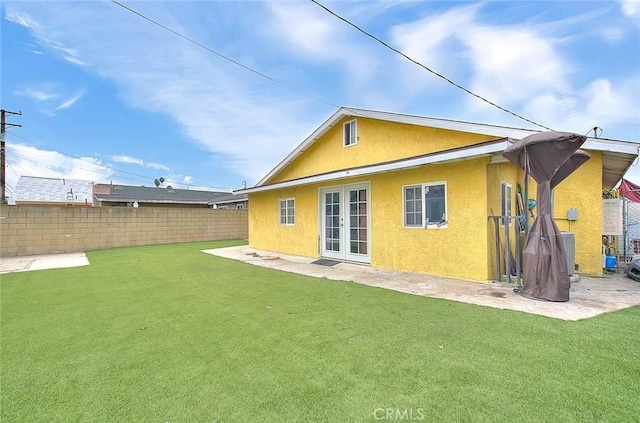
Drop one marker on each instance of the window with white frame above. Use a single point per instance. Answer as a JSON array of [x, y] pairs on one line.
[[425, 205], [506, 201], [240, 206], [287, 211], [350, 133]]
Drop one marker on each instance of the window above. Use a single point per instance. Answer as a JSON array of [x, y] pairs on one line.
[[425, 205], [240, 206], [506, 201], [287, 211], [413, 206], [350, 134]]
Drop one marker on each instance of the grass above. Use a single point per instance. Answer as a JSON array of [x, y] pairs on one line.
[[168, 334]]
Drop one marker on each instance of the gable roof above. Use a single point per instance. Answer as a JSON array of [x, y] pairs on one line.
[[130, 194], [617, 155], [53, 190]]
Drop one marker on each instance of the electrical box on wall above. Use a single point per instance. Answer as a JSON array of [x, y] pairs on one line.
[[573, 214]]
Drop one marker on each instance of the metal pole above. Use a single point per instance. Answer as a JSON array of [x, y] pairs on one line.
[[496, 221], [507, 249], [526, 202], [518, 263], [3, 151], [3, 180]]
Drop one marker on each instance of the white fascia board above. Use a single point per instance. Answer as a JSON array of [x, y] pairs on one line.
[[454, 125], [447, 156], [614, 146], [328, 124]]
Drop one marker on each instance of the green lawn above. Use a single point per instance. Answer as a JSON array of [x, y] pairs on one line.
[[168, 334]]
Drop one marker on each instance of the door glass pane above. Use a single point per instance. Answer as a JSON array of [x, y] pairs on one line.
[[332, 221], [358, 221]]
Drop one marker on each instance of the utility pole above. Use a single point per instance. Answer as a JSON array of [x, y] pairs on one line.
[[3, 151]]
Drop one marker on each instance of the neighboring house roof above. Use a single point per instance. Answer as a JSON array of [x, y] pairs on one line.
[[130, 194], [230, 199], [617, 155], [33, 189]]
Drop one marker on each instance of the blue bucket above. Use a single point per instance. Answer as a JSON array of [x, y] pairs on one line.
[[611, 262]]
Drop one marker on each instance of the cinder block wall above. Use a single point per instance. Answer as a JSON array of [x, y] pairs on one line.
[[27, 230]]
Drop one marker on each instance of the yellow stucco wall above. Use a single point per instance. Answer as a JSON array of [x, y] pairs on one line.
[[459, 250], [466, 248], [378, 141], [583, 190], [265, 231]]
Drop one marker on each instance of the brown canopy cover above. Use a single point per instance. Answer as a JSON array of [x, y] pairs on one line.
[[549, 157]]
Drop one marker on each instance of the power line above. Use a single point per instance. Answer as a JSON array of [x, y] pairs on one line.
[[210, 50], [425, 67]]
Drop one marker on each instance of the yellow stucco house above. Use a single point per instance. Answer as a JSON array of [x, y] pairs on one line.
[[414, 193]]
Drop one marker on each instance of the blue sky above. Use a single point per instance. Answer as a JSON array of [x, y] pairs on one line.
[[109, 96]]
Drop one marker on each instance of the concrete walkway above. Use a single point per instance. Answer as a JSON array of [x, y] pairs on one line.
[[40, 262], [590, 296]]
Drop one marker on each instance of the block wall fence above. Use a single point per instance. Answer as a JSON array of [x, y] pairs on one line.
[[28, 230]]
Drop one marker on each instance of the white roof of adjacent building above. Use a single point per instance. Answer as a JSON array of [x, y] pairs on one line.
[[53, 190]]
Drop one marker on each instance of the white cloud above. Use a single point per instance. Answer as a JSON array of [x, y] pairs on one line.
[[139, 162], [42, 93], [70, 102], [513, 64], [24, 160], [20, 18], [631, 8], [313, 35], [49, 97]]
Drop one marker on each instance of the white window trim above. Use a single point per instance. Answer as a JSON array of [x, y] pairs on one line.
[[240, 206], [286, 208], [504, 205], [354, 140], [425, 224]]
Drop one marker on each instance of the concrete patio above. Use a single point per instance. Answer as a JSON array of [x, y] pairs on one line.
[[589, 297]]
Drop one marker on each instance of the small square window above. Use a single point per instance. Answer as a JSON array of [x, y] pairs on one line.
[[350, 133]]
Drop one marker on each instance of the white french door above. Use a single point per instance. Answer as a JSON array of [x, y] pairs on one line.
[[345, 223]]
